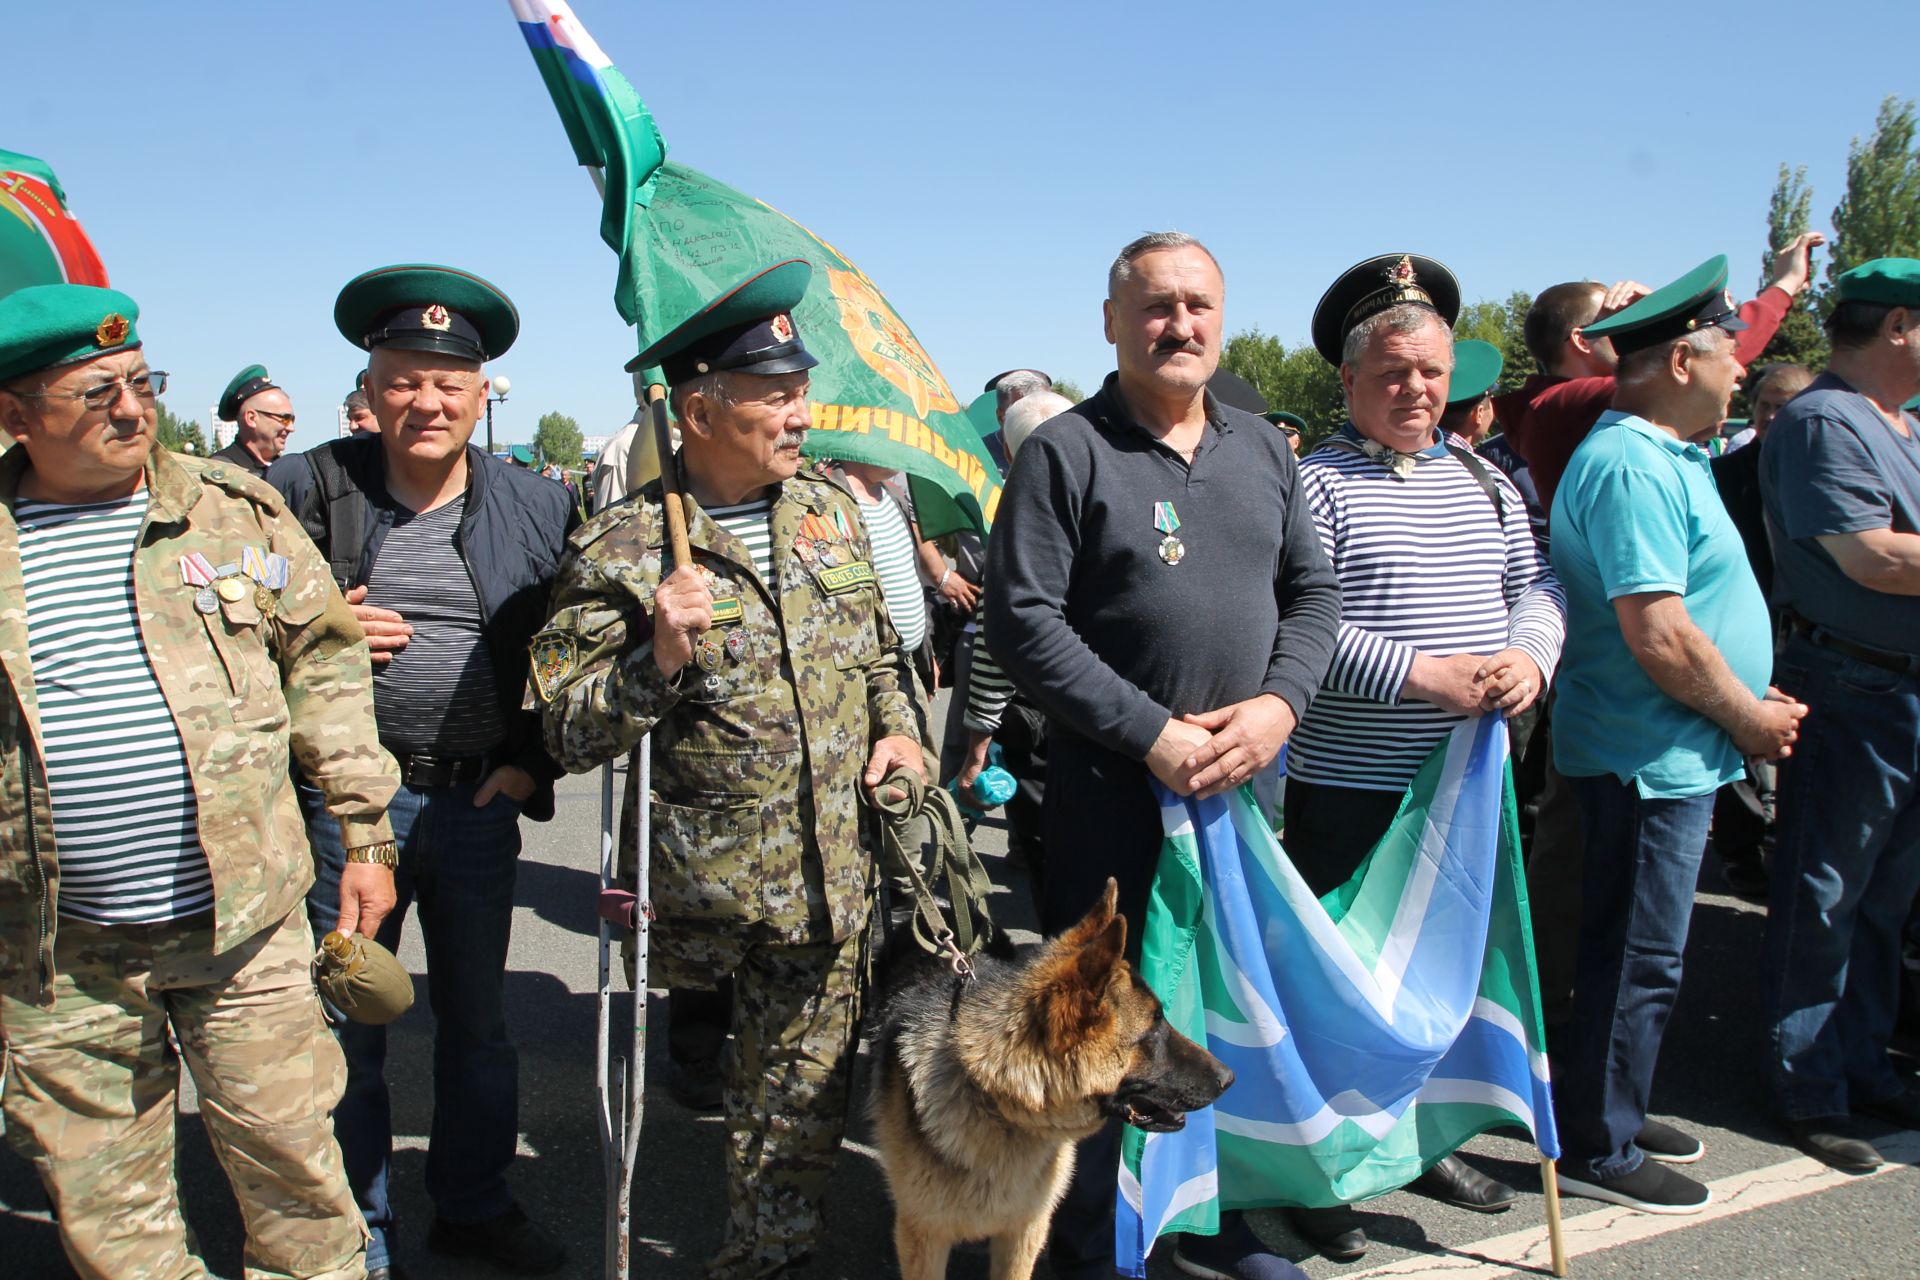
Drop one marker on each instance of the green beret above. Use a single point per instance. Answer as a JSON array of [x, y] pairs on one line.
[[45, 326], [420, 307], [1891, 282], [247, 383], [1476, 367], [747, 329], [1367, 288], [1694, 301], [1280, 417]]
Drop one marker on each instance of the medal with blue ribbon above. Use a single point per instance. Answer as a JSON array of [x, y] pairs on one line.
[[1167, 521]]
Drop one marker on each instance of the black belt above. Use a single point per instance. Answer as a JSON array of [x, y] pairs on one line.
[[1903, 663], [418, 769]]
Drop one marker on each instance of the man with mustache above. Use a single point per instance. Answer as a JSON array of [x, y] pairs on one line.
[[1155, 586], [263, 418], [446, 555], [169, 644], [776, 693], [1663, 696]]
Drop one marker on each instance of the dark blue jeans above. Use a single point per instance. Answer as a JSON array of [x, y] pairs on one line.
[[1642, 859], [457, 865], [1845, 871]]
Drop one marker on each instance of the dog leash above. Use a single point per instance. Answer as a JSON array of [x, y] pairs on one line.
[[967, 881]]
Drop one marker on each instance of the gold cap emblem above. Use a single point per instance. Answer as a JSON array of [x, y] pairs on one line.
[[435, 317], [1401, 273], [112, 331]]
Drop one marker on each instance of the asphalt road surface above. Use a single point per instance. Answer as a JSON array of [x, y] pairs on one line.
[[1777, 1214]]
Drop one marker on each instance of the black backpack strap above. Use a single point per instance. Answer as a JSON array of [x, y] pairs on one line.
[[1488, 485], [336, 519]]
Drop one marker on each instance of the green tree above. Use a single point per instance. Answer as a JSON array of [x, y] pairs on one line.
[[1879, 216], [1800, 339], [558, 440], [1504, 325], [1295, 380], [1069, 388], [178, 435]]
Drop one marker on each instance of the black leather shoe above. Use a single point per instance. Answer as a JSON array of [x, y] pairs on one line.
[[696, 1085], [1453, 1181], [1902, 1109], [512, 1242], [1835, 1140], [1336, 1233]]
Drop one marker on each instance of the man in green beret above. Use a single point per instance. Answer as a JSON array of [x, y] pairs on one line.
[[776, 693], [1290, 426], [262, 417], [1840, 480], [1469, 414], [170, 643], [447, 556], [1663, 696]]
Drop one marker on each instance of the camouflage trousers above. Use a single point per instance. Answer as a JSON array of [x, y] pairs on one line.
[[787, 1075], [90, 1098]]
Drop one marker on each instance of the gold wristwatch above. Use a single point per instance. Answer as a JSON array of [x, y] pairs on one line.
[[383, 853]]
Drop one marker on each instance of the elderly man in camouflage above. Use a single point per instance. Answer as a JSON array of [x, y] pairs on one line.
[[768, 675], [170, 643]]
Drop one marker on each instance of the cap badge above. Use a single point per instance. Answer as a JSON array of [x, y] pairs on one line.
[[782, 328], [112, 331], [1400, 274], [1726, 297], [435, 317]]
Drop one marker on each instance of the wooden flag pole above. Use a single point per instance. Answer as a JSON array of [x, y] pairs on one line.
[[669, 477], [1552, 1185]]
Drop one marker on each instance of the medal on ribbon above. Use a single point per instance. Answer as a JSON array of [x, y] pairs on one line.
[[1167, 521]]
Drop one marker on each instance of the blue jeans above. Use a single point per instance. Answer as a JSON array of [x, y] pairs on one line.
[[458, 864], [1845, 871], [1642, 859]]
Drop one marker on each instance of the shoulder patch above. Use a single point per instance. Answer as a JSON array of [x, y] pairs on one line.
[[554, 655]]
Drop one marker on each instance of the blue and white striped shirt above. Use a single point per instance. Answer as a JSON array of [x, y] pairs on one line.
[[1424, 567]]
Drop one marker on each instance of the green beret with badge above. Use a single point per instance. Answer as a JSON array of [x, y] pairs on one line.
[[1374, 285], [46, 326], [1476, 367], [748, 328], [1697, 300], [246, 384], [421, 307], [1890, 282]]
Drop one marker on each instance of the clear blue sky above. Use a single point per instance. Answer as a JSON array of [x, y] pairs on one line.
[[236, 163]]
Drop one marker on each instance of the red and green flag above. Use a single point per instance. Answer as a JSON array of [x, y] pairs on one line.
[[684, 237], [40, 241]]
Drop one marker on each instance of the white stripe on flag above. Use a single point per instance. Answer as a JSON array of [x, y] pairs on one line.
[[1505, 1019], [1195, 1190], [1417, 896]]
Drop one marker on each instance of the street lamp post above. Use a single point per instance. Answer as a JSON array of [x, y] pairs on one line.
[[501, 385]]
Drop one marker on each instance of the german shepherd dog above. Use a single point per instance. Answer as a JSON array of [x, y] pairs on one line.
[[984, 1085]]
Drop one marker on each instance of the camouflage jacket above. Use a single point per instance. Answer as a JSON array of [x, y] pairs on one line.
[[759, 745], [265, 675]]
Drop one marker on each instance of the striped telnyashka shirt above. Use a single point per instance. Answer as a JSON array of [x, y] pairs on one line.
[[752, 523], [124, 817], [988, 688], [1424, 567], [897, 565]]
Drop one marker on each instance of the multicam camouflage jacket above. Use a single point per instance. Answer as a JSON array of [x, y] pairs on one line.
[[266, 672], [759, 744]]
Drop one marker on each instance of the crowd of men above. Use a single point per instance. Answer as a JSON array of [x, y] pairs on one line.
[[262, 696]]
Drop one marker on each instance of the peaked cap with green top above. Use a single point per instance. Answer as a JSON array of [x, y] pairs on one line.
[[1695, 301], [247, 383], [1476, 367], [421, 307], [748, 328]]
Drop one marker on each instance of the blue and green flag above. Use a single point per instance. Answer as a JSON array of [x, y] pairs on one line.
[[683, 238], [1371, 1031]]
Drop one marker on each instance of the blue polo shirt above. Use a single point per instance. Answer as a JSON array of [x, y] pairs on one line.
[[1832, 464], [1637, 512]]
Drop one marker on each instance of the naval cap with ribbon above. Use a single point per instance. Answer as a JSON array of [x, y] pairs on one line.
[[422, 307], [247, 383], [1697, 300], [747, 328], [1373, 285], [45, 326]]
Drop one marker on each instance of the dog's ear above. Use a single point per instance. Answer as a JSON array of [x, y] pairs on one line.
[[1074, 1006], [1095, 920]]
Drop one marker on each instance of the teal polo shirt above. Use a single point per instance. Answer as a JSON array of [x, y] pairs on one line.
[[1636, 512]]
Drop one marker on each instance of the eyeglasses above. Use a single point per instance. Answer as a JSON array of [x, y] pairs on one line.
[[145, 386], [284, 419]]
